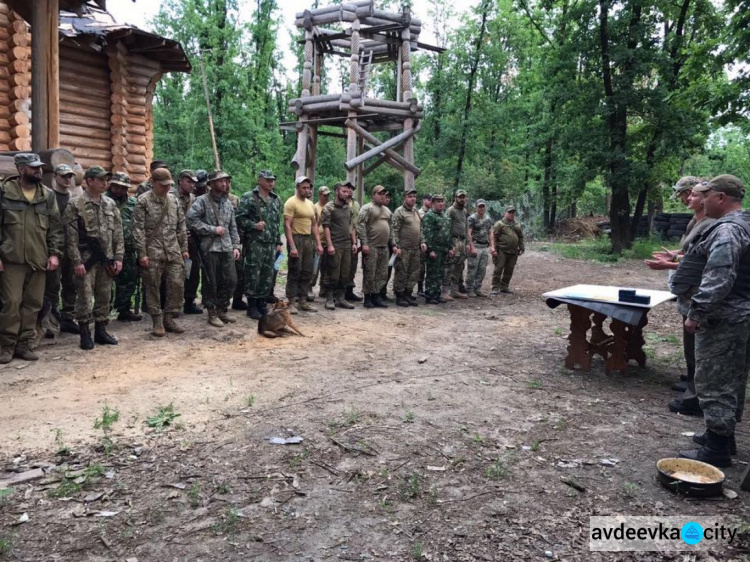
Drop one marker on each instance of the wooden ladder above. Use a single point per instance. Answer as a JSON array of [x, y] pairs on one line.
[[364, 71]]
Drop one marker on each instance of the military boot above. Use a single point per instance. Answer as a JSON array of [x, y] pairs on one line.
[[262, 306], [401, 299], [213, 318], [351, 296], [700, 438], [158, 329], [171, 326], [252, 309], [224, 317], [191, 308], [303, 305], [457, 294], [368, 301], [68, 326], [377, 301], [330, 304], [293, 306], [411, 298], [444, 296], [340, 301], [101, 336], [715, 451], [85, 331], [128, 316], [26, 354], [6, 355], [238, 304]]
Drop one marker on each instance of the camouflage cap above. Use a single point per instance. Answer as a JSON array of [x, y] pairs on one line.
[[218, 175], [378, 188], [344, 184], [187, 174], [64, 170], [427, 196], [96, 172], [28, 159], [324, 190], [162, 176], [481, 203], [266, 174], [685, 183], [202, 176], [461, 192], [409, 190], [120, 178], [510, 209], [438, 197], [725, 183], [156, 164]]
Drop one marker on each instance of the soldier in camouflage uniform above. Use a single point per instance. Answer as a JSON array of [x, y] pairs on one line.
[[183, 191], [259, 218], [127, 280], [408, 241], [160, 239], [426, 204], [340, 243], [350, 295], [374, 231], [95, 247], [212, 218], [148, 184], [481, 247], [454, 267], [716, 272], [436, 229], [508, 238]]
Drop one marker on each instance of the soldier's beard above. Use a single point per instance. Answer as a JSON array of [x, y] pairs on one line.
[[30, 178]]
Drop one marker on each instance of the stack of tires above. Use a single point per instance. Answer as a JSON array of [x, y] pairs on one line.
[[671, 225]]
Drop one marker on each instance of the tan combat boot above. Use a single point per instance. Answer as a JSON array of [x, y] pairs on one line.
[[456, 294], [213, 318], [158, 329], [171, 326], [224, 317], [304, 306], [292, 307], [445, 296]]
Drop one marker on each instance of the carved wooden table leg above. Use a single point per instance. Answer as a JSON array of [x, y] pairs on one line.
[[600, 341], [618, 361], [578, 346], [635, 342]]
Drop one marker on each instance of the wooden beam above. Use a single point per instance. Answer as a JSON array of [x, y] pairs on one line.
[[392, 154], [45, 75]]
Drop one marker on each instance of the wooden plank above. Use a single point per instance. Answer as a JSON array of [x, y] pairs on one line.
[[72, 97], [84, 56], [83, 110], [75, 140], [69, 119], [86, 131]]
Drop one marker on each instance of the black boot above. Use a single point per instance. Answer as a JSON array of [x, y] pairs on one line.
[[401, 299], [86, 342], [238, 304], [68, 326], [689, 407], [191, 308], [715, 451], [377, 301], [101, 336], [368, 301], [700, 438], [262, 305], [351, 296], [412, 299], [252, 309], [126, 315], [384, 296]]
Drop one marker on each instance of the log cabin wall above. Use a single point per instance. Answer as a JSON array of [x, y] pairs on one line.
[[15, 80]]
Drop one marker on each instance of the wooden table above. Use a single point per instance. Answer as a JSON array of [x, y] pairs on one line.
[[587, 334]]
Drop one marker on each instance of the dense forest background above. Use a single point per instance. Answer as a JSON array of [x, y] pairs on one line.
[[562, 107]]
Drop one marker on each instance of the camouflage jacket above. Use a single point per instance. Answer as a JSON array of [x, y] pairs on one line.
[[186, 201], [143, 187], [254, 209], [97, 220], [459, 224], [126, 207], [411, 222], [436, 229], [480, 229], [206, 216], [30, 231], [373, 225], [508, 237], [169, 240], [724, 247]]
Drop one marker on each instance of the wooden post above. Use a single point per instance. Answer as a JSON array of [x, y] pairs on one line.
[[318, 71], [308, 66], [45, 75], [351, 141], [360, 173], [409, 122], [210, 116]]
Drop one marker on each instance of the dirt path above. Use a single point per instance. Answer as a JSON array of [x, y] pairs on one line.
[[436, 433]]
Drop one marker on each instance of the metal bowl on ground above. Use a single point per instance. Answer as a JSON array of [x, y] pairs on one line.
[[686, 476]]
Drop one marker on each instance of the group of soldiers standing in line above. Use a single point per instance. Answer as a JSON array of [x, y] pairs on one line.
[[67, 246]]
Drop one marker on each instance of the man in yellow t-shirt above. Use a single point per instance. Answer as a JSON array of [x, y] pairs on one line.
[[302, 240]]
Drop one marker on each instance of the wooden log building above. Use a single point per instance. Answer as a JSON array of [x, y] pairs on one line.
[[98, 103]]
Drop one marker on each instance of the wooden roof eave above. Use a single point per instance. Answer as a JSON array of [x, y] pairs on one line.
[[23, 7]]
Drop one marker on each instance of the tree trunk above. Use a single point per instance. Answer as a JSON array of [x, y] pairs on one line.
[[546, 199]]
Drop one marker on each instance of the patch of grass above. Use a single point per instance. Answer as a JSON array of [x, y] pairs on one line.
[[416, 551], [107, 420], [478, 439], [600, 249], [95, 470], [250, 400], [194, 494], [223, 488], [62, 449], [67, 488], [630, 489], [409, 417], [298, 458], [228, 523], [534, 385], [498, 469], [348, 417], [5, 496], [433, 497], [6, 545], [558, 331], [163, 418], [560, 424], [535, 445], [411, 487]]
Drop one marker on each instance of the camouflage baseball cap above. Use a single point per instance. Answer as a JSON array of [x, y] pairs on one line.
[[96, 172], [726, 183], [28, 159], [218, 175], [202, 176], [266, 174], [427, 196], [685, 183], [120, 178], [344, 184], [188, 174], [481, 202], [162, 176], [64, 170], [378, 188], [460, 192], [324, 190], [510, 209], [438, 197]]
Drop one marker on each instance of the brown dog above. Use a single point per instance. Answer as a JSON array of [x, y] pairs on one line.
[[277, 321]]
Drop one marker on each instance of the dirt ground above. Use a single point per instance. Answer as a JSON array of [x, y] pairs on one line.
[[429, 433]]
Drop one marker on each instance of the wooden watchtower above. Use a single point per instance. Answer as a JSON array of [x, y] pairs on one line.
[[369, 37]]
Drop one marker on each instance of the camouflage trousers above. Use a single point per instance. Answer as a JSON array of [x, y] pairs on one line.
[[301, 267], [337, 268], [505, 263], [240, 281], [407, 271], [319, 271], [60, 286], [353, 270], [96, 284], [192, 282], [477, 267], [722, 360], [454, 267], [21, 294], [434, 274], [221, 280], [375, 274], [174, 273], [259, 272], [126, 281]]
